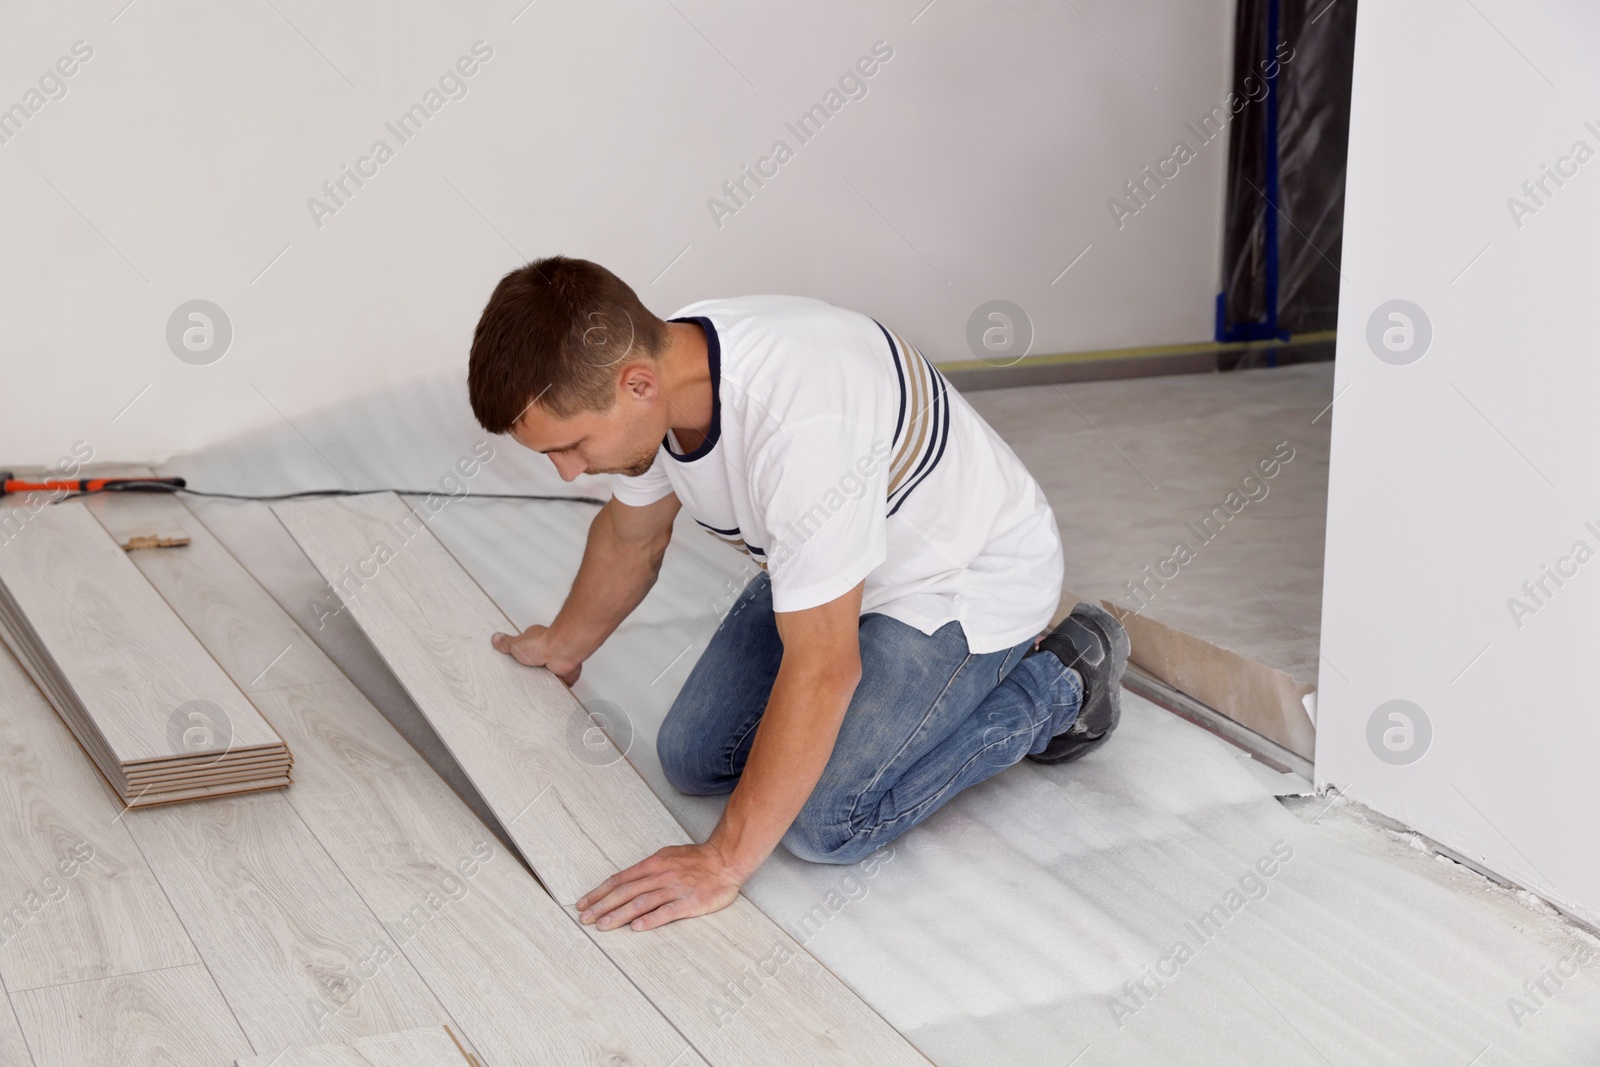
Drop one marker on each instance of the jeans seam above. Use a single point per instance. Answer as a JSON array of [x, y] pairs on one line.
[[755, 722], [915, 812], [855, 805]]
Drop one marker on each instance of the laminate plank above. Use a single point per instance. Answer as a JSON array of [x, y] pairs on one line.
[[38, 667], [166, 1018], [134, 794], [255, 768], [431, 1047], [259, 650], [151, 782], [177, 796], [427, 1047], [310, 1056], [243, 767], [13, 1047], [298, 955], [118, 646], [77, 900], [526, 986], [734, 983]]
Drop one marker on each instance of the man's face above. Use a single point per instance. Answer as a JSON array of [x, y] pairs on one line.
[[623, 440]]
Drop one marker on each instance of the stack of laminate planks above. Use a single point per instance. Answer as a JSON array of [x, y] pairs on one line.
[[156, 714]]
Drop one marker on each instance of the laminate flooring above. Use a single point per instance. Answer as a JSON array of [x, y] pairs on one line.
[[735, 983], [167, 1018], [81, 902], [429, 1047], [516, 973], [13, 1046]]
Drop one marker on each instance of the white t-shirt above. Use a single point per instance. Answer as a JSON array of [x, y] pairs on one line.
[[837, 452]]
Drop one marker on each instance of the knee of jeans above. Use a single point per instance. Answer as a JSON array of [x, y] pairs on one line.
[[685, 762], [812, 845], [817, 838]]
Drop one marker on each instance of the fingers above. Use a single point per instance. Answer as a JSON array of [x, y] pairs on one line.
[[510, 646], [674, 883], [644, 867], [515, 647], [639, 905], [600, 911], [671, 911]]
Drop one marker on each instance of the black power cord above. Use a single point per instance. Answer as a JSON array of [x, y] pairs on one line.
[[168, 487]]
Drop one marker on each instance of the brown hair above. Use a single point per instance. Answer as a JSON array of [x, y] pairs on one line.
[[553, 333]]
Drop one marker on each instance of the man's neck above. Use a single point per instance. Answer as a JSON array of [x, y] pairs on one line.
[[686, 383]]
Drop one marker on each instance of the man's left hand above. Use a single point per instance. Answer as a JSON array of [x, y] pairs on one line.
[[678, 882]]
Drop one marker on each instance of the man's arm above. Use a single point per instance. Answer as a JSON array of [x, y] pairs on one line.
[[817, 676], [620, 563]]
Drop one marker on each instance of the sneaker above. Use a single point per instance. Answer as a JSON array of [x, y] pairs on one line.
[[1092, 642]]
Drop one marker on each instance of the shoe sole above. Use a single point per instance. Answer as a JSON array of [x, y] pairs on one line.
[[1105, 700]]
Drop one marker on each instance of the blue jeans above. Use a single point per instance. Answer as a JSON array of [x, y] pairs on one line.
[[928, 719]]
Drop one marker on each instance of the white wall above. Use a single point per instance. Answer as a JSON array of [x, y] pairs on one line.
[[1458, 477], [179, 162]]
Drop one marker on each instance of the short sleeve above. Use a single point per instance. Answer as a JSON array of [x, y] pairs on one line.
[[821, 488], [647, 488]]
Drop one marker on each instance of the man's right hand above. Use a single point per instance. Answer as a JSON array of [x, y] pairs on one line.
[[534, 648], [620, 562]]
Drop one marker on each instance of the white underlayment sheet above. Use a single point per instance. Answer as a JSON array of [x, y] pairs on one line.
[[1047, 914]]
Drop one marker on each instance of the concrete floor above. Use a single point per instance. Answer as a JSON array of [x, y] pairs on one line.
[[1127, 464]]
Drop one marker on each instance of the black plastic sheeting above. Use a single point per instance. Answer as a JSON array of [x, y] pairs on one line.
[[1314, 49]]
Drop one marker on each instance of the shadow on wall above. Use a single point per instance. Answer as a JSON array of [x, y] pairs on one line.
[[415, 434]]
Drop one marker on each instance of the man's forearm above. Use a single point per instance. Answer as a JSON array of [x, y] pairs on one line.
[[816, 681], [790, 751], [613, 578]]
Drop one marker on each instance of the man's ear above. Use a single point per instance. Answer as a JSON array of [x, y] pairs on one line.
[[639, 382]]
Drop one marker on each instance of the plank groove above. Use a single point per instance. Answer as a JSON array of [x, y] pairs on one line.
[[526, 986], [429, 1047], [13, 1046], [738, 986]]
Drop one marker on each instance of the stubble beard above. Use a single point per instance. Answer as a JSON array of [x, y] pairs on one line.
[[634, 469]]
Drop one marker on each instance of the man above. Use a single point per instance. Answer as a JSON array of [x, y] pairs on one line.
[[890, 653]]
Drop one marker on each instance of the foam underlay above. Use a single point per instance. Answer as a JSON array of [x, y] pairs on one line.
[[1047, 914]]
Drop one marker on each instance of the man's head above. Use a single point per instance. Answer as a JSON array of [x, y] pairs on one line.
[[565, 359]]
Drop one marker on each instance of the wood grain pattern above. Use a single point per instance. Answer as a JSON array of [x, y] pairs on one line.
[[167, 1018], [734, 982], [515, 971], [259, 649], [13, 1047], [145, 700], [297, 954], [77, 900], [114, 638], [427, 1047], [526, 986], [310, 1056], [431, 1047]]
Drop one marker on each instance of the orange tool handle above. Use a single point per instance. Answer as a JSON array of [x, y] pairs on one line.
[[86, 485]]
